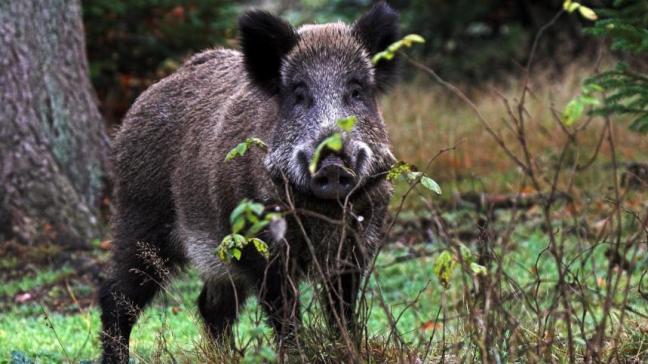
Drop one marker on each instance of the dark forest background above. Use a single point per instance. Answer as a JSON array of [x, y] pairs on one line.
[[131, 44]]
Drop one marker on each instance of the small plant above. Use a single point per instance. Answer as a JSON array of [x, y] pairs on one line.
[[446, 263], [575, 108], [626, 89], [251, 215], [412, 175], [389, 53]]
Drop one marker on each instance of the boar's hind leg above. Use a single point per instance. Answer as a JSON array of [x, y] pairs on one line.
[[219, 304], [143, 260]]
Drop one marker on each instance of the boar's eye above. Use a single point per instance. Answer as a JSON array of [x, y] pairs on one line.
[[300, 98], [300, 94], [355, 91]]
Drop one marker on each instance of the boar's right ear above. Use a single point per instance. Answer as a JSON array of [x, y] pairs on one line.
[[377, 29], [265, 40]]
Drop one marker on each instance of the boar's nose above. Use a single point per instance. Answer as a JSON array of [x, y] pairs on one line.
[[332, 180]]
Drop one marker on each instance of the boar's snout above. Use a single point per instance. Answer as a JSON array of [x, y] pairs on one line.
[[332, 180]]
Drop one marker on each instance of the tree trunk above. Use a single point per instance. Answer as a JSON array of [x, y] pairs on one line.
[[53, 143]]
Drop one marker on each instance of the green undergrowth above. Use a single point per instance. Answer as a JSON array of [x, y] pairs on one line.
[[170, 328]]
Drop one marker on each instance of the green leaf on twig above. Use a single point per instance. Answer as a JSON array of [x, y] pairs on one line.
[[587, 13], [398, 169], [390, 52], [346, 124], [231, 247], [573, 111], [250, 214], [431, 184], [243, 147], [261, 247], [575, 108], [334, 143], [443, 267], [478, 269], [412, 175]]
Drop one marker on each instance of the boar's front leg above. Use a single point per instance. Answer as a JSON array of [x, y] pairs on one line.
[[339, 301], [226, 287], [342, 284], [219, 304], [279, 297]]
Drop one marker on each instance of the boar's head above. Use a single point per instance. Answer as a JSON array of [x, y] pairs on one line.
[[318, 74]]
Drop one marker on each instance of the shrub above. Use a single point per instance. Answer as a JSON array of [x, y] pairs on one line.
[[626, 87]]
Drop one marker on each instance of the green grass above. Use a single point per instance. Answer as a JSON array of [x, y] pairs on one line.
[[42, 278], [172, 320], [26, 328]]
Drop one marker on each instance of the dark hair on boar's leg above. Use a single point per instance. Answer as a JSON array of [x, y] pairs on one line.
[[175, 191]]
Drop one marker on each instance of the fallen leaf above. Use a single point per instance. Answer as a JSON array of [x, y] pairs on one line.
[[105, 245], [431, 325], [526, 190], [600, 226], [24, 297]]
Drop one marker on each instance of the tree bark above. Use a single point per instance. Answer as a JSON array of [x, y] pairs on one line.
[[53, 143]]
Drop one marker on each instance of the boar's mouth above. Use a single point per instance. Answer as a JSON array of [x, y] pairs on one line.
[[333, 179], [350, 173]]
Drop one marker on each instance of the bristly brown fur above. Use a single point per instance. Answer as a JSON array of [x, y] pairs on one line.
[[175, 191]]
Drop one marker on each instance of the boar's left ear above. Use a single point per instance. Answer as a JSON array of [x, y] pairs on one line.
[[265, 40], [377, 29]]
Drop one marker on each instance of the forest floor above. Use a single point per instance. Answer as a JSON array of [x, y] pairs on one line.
[[48, 311]]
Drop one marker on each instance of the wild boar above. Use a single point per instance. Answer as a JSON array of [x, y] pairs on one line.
[[174, 191]]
